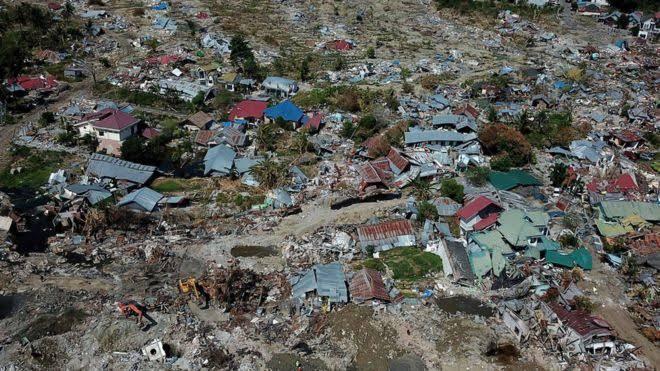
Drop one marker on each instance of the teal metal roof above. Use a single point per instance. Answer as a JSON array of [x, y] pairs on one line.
[[515, 228], [621, 209], [579, 257], [511, 179], [491, 240]]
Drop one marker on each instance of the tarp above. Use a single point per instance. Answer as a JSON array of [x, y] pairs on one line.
[[579, 257]]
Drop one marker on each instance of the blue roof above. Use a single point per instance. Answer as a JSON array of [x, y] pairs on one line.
[[286, 110], [145, 198], [161, 6]]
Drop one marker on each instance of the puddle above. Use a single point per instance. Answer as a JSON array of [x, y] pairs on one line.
[[465, 305], [253, 251], [407, 363], [8, 304]]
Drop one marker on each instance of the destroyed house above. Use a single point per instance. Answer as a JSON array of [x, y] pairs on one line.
[[367, 284], [279, 86], [505, 181], [219, 160], [518, 230], [199, 121], [387, 235], [92, 193], [398, 163], [106, 167], [590, 328], [455, 260], [143, 199], [324, 281], [372, 176]]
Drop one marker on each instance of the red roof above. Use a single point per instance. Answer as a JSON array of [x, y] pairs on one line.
[[54, 6], [150, 133], [474, 207], [369, 174], [163, 59], [203, 136], [486, 222], [374, 234], [202, 15], [34, 83], [397, 160], [628, 136], [248, 109], [314, 122], [368, 284], [625, 182], [115, 120], [339, 45]]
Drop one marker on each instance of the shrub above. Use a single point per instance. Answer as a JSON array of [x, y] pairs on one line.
[[568, 240], [501, 163], [427, 210], [500, 138], [584, 303], [430, 82], [371, 52], [452, 189], [478, 175]]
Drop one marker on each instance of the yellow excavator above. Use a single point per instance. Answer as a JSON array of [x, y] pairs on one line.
[[191, 287]]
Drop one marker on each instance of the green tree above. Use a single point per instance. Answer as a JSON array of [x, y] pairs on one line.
[[304, 68], [240, 50], [46, 118], [623, 21], [501, 162], [477, 175], [427, 210], [371, 52], [347, 129], [452, 189], [558, 174], [266, 136], [269, 173], [421, 189], [13, 54], [301, 142], [132, 149]]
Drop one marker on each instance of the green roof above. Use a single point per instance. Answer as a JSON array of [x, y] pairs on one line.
[[538, 218], [480, 261], [515, 228], [547, 244], [511, 179], [499, 262], [491, 240], [608, 229], [621, 209], [580, 257]]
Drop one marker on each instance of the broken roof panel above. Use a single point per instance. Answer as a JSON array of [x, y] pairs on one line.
[[448, 137], [474, 207], [621, 209], [577, 258]]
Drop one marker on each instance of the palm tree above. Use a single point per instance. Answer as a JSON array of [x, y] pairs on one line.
[[301, 142], [421, 189], [265, 137], [68, 11], [269, 173]]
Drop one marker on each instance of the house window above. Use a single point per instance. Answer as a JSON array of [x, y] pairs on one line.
[[100, 133]]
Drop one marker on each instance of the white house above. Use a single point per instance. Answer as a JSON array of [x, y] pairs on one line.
[[111, 127]]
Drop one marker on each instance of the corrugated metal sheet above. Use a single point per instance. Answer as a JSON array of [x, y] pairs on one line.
[[103, 166], [392, 233], [398, 163], [369, 174], [219, 159], [368, 284]]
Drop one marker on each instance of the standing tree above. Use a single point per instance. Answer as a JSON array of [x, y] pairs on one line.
[[558, 174], [421, 188], [452, 189], [266, 137]]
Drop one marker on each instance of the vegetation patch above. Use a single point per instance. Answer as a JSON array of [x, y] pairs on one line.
[[411, 263], [35, 167]]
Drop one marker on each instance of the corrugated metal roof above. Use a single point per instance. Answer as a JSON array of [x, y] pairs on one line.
[[582, 322], [398, 163], [219, 159], [387, 233], [474, 207], [103, 166], [145, 198], [369, 173], [621, 209], [368, 284], [416, 137], [327, 280]]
